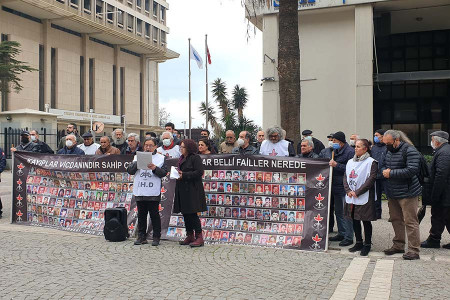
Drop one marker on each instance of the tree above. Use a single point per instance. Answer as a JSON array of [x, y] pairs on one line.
[[11, 68], [240, 99], [288, 61], [164, 117], [220, 94]]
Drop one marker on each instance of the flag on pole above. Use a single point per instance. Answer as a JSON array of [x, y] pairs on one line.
[[195, 56], [208, 56]]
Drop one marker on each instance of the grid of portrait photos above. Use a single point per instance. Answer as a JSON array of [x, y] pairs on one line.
[[251, 207], [75, 201]]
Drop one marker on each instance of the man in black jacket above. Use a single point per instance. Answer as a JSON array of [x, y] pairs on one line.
[[318, 145], [306, 149], [440, 191], [43, 147], [378, 153], [25, 143], [400, 168]]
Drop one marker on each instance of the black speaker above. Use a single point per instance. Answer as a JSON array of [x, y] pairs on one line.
[[116, 229]]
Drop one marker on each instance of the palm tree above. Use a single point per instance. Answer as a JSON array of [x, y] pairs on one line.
[[240, 99], [220, 96], [289, 68], [217, 128]]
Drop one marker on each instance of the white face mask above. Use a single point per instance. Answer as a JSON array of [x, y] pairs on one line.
[[330, 144], [166, 142], [352, 142], [69, 143], [240, 142], [33, 138]]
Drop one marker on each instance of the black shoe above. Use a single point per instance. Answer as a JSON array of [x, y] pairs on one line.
[[430, 243], [392, 251], [365, 250], [141, 241], [358, 246], [446, 246], [345, 243], [155, 241], [411, 256], [336, 238]]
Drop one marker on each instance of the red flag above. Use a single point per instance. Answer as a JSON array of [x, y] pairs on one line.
[[208, 55]]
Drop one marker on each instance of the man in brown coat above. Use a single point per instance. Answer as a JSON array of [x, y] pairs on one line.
[[106, 148]]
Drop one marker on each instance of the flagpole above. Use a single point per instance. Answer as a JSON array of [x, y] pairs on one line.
[[206, 83], [190, 119]]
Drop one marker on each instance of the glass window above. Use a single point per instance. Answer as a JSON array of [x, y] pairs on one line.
[[120, 17], [155, 8], [163, 13], [163, 37], [139, 3], [147, 30], [110, 13], [99, 7], [147, 5], [155, 33], [74, 3], [130, 21], [87, 5], [405, 112], [139, 26]]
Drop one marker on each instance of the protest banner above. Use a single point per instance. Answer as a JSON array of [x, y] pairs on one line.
[[252, 200]]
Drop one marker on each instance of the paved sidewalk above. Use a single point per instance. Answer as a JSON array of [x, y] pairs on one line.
[[41, 263]]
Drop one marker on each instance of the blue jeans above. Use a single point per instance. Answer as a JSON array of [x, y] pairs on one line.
[[344, 224]]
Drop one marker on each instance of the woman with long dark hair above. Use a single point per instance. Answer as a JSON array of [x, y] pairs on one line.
[[359, 184], [189, 193], [205, 147]]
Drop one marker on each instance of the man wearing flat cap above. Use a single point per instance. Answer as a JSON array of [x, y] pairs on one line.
[[378, 153], [25, 143], [440, 190], [318, 145], [88, 146]]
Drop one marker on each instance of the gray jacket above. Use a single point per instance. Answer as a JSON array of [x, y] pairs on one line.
[[250, 150]]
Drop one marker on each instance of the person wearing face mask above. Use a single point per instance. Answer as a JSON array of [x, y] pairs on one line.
[[170, 127], [244, 146], [25, 143], [440, 190], [353, 138], [318, 145], [71, 129], [401, 168], [71, 146], [342, 154], [379, 153], [43, 147], [168, 148]]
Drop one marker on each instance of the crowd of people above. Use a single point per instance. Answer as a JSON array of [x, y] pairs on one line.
[[363, 170]]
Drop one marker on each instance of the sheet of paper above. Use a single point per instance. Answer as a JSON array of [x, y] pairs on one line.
[[143, 159], [174, 173]]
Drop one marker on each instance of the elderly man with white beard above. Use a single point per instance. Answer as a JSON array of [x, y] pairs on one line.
[[275, 145]]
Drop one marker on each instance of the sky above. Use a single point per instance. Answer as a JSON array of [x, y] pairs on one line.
[[235, 59]]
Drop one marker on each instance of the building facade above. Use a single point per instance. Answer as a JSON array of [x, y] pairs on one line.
[[365, 64], [97, 56]]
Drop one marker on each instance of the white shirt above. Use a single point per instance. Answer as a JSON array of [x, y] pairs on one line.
[[89, 150], [280, 148], [170, 153]]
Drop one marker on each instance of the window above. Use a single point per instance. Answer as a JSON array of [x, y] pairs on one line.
[[114, 90], [163, 38], [82, 106], [155, 8], [110, 13], [147, 5], [138, 3], [99, 8], [41, 77], [122, 90], [163, 13], [139, 26], [91, 82], [74, 3], [155, 34], [120, 18], [61, 1], [53, 77], [147, 30], [87, 5], [130, 22]]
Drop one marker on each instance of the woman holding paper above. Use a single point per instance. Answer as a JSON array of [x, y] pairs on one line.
[[359, 184], [147, 191], [189, 194]]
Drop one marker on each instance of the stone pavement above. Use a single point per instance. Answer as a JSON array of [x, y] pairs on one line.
[[41, 263]]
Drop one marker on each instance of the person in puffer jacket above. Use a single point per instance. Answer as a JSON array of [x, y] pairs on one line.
[[401, 168]]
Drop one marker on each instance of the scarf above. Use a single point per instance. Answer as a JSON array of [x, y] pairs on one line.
[[362, 157]]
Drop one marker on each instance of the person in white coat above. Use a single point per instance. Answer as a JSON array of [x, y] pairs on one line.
[[147, 192], [89, 147], [276, 145]]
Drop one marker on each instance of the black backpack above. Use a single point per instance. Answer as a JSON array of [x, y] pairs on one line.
[[116, 229]]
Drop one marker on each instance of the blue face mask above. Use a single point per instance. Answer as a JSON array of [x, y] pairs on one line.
[[174, 135], [336, 146], [376, 139]]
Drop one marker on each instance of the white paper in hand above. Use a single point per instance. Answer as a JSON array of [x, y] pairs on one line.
[[143, 159], [174, 173]]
